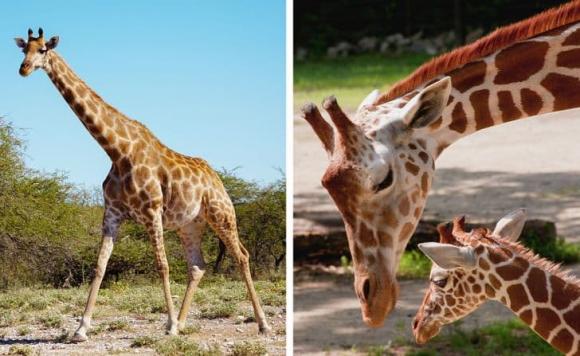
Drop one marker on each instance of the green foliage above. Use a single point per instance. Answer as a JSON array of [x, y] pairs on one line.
[[414, 264], [248, 348], [144, 341], [503, 338], [350, 79], [50, 231], [23, 350], [177, 346]]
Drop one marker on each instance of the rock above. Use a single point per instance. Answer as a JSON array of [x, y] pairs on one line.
[[301, 54], [342, 49], [367, 44]]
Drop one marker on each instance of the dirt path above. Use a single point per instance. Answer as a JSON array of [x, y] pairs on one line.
[[327, 316]]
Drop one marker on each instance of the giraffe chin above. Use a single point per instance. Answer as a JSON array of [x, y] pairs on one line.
[[380, 304], [425, 332]]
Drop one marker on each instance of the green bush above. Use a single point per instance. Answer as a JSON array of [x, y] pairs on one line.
[[50, 230]]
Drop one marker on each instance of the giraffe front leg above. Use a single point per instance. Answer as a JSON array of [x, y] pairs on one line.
[[155, 230], [190, 237], [110, 229]]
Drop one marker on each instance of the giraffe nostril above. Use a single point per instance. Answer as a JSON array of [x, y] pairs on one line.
[[415, 323], [366, 289]]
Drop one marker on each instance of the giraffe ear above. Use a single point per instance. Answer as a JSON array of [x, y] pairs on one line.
[[52, 43], [369, 100], [448, 256], [21, 43], [510, 226], [426, 107]]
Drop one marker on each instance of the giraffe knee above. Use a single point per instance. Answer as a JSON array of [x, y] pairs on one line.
[[196, 273]]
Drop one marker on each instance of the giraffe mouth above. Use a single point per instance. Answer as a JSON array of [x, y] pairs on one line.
[[425, 331]]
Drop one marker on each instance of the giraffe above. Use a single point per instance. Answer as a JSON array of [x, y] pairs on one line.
[[382, 160], [147, 183], [470, 268]]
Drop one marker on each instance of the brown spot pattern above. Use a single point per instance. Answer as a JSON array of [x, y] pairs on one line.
[[572, 318], [469, 76], [563, 293], [480, 102], [459, 119], [406, 232], [518, 297], [532, 102], [546, 321], [514, 270], [569, 59], [565, 89], [537, 286], [412, 168], [563, 341], [508, 108], [520, 61], [526, 317]]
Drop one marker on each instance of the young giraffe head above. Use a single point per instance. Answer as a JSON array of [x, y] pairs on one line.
[[460, 280], [35, 50], [381, 166]]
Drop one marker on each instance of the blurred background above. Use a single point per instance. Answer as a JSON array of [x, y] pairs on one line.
[[347, 48]]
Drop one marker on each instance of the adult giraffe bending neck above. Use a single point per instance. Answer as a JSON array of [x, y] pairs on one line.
[[382, 160], [148, 183], [470, 268]]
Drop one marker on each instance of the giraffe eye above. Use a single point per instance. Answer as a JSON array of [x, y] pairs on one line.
[[42, 51], [440, 282], [387, 182]]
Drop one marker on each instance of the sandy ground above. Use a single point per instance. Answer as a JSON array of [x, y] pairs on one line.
[[533, 163], [225, 333]]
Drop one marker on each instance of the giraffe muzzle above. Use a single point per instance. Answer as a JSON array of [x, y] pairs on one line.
[[25, 69]]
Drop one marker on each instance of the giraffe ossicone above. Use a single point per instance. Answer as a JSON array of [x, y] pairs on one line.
[[382, 158], [471, 268], [148, 183]]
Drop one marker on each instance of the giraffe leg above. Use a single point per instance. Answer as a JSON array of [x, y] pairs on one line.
[[242, 257], [191, 236], [110, 228], [226, 229], [155, 230]]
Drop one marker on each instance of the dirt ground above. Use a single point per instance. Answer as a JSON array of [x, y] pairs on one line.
[[533, 163], [223, 332]]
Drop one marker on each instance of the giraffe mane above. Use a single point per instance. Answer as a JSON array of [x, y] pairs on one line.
[[500, 38]]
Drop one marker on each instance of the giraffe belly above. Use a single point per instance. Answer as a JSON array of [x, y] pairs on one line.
[[179, 215]]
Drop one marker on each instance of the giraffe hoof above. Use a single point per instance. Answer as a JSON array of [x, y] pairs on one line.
[[265, 330], [79, 337]]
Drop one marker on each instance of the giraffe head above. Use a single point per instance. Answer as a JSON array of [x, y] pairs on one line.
[[459, 282], [381, 165], [35, 50]]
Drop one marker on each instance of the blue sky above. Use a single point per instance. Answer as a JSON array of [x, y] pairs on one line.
[[207, 77]]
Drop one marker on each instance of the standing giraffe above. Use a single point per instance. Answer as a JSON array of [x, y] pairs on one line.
[[470, 268], [148, 183], [382, 161]]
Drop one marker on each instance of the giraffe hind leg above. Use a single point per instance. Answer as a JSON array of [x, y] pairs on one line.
[[223, 222], [191, 237]]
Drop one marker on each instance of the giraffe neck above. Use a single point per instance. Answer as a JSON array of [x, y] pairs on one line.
[[547, 302], [529, 78], [104, 123]]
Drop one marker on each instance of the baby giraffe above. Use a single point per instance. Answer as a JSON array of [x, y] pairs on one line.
[[470, 268]]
